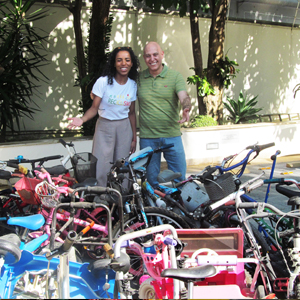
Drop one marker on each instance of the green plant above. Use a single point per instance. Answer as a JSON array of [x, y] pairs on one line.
[[241, 110], [20, 62], [226, 69], [202, 121], [204, 87]]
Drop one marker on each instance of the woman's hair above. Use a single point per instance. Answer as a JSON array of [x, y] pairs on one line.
[[110, 69]]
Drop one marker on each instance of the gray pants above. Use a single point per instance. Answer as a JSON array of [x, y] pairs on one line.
[[112, 140]]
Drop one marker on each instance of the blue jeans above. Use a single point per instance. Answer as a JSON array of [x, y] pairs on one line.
[[174, 156]]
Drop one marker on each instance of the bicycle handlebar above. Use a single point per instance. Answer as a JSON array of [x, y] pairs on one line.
[[258, 148], [246, 187], [40, 160], [274, 180], [163, 147], [119, 163], [64, 143], [260, 206], [91, 189], [273, 157], [12, 164]]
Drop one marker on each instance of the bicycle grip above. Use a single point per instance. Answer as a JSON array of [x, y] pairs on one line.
[[247, 205], [265, 146], [208, 173], [69, 241], [12, 164], [46, 158], [97, 189], [274, 180], [119, 163], [287, 232], [273, 157], [62, 142], [163, 147]]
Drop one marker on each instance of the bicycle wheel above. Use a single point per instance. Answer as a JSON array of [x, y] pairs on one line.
[[153, 213], [260, 239], [297, 289]]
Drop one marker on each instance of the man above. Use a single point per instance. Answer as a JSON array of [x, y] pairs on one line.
[[158, 94]]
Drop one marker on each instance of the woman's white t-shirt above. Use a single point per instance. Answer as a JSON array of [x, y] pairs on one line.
[[115, 98]]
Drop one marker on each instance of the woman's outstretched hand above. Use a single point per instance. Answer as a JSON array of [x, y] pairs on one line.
[[76, 122]]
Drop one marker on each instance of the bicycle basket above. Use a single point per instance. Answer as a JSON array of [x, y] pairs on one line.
[[84, 165], [48, 194], [26, 190], [220, 187]]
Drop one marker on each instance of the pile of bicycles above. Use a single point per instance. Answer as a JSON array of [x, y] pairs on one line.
[[66, 237]]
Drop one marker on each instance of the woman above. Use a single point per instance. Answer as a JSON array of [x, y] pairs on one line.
[[114, 95]]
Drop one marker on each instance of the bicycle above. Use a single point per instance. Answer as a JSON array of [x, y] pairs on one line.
[[47, 277], [37, 163], [272, 280], [290, 285], [83, 164], [167, 268], [137, 215], [188, 199]]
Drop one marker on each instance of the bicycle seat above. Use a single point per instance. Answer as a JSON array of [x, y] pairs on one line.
[[190, 274], [97, 266], [167, 176], [33, 222], [56, 170], [87, 182], [286, 192]]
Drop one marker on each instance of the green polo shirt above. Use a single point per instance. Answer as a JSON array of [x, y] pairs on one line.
[[159, 105]]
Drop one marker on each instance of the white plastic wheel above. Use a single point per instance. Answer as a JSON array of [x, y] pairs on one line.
[[146, 290]]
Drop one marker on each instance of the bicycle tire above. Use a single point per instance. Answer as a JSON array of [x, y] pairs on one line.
[[297, 289], [260, 239], [151, 212]]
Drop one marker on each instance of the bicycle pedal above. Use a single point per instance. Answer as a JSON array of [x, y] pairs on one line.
[[281, 284]]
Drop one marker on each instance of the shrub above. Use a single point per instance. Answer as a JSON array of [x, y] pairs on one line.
[[242, 110], [202, 121]]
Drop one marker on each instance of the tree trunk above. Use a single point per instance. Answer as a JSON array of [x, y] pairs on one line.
[[96, 56], [76, 12], [97, 39], [197, 53], [216, 51]]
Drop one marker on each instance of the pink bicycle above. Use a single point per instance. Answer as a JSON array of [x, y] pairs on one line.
[[177, 272]]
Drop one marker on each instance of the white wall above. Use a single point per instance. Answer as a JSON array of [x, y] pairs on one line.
[[204, 145], [268, 57]]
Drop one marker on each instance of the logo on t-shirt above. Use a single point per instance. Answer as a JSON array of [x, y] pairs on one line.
[[119, 100]]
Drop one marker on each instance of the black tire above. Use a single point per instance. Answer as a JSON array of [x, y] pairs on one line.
[[10, 243], [297, 289], [260, 239], [152, 213]]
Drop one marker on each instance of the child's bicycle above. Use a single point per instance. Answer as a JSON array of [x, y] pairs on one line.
[[204, 273], [28, 276]]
